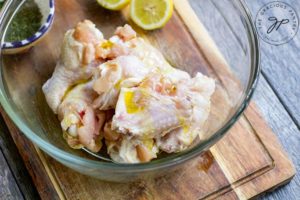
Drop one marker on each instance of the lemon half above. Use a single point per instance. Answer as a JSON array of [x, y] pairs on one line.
[[151, 14], [113, 4]]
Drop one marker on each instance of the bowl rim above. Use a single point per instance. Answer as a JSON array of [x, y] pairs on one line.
[[37, 35], [173, 159]]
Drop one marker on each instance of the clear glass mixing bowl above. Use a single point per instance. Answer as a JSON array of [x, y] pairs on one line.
[[235, 66]]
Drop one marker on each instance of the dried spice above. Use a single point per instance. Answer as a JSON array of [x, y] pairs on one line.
[[26, 22]]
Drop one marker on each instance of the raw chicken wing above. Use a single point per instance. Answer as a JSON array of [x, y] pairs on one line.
[[77, 62]]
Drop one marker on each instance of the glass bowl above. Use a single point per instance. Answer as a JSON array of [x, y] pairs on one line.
[[230, 55]]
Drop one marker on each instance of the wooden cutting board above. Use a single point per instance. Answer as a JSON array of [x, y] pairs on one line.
[[247, 162]]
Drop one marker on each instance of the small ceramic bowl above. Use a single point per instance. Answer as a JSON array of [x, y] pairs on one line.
[[47, 9]]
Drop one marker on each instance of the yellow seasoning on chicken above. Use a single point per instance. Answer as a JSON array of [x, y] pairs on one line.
[[148, 143], [130, 103], [183, 124]]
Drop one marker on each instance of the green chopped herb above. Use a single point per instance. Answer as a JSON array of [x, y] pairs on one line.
[[1, 3], [26, 22]]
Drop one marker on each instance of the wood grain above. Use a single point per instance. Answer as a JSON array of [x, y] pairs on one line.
[[209, 176], [172, 184], [8, 186], [33, 163], [277, 63], [283, 126], [281, 65], [16, 164], [209, 49], [271, 143]]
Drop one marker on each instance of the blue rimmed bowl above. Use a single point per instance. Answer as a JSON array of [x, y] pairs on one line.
[[47, 10]]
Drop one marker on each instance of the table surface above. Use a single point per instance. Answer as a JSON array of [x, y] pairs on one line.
[[277, 96]]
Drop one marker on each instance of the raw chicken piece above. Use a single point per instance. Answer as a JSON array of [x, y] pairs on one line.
[[133, 60], [77, 62], [199, 91], [156, 106], [124, 71], [125, 42], [80, 123], [126, 33], [109, 134], [151, 109], [129, 150], [126, 149], [171, 113]]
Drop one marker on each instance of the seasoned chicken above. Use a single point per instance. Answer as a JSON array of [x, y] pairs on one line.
[[171, 113], [132, 59], [198, 90], [125, 149], [126, 42], [129, 150], [151, 109], [80, 122], [124, 71], [77, 62], [123, 91]]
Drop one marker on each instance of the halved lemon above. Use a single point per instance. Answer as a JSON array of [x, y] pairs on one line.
[[113, 4], [151, 14]]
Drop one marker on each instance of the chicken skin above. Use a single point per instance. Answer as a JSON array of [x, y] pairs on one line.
[[122, 92], [80, 122], [76, 64]]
